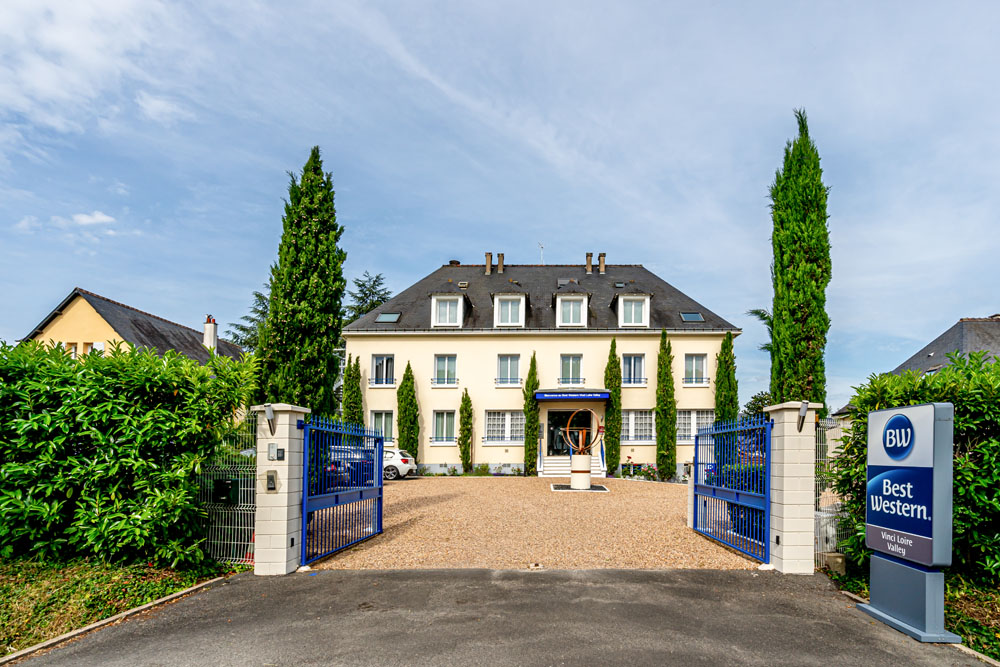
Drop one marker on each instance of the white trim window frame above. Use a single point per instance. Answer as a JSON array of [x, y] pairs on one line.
[[638, 427], [381, 421], [571, 370], [633, 370], [571, 311], [504, 428], [508, 370], [508, 310], [696, 370], [685, 421], [383, 371], [627, 315], [447, 311], [445, 370], [444, 428]]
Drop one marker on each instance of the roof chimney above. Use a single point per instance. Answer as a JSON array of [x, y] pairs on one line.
[[211, 339], [489, 263], [499, 262], [590, 263], [600, 263]]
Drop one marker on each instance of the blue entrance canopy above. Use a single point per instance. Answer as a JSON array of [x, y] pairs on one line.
[[598, 395]]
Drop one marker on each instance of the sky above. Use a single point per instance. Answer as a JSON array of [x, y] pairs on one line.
[[145, 148]]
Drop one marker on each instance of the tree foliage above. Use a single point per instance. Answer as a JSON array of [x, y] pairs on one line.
[[298, 343], [354, 410], [99, 455], [665, 418], [408, 414], [465, 432], [613, 412], [246, 332], [972, 385], [801, 271], [368, 294], [531, 419], [756, 404], [727, 395]]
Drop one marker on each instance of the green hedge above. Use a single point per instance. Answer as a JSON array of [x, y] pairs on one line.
[[973, 385], [98, 456]]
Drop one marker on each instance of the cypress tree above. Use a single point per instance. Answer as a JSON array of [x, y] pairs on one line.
[[666, 412], [408, 414], [800, 271], [354, 411], [727, 396], [465, 432], [298, 342], [531, 419], [613, 413]]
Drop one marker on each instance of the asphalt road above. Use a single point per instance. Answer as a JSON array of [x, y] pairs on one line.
[[490, 617]]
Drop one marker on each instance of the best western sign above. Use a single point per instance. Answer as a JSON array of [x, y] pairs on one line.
[[909, 508]]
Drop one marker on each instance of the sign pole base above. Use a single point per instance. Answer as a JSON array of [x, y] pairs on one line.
[[909, 599]]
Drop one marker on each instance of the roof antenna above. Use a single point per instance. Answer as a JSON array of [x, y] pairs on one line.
[[541, 253]]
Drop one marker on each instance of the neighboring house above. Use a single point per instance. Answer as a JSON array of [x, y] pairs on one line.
[[475, 327], [85, 321], [969, 334]]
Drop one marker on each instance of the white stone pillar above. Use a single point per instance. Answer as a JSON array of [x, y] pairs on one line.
[[278, 518], [793, 487]]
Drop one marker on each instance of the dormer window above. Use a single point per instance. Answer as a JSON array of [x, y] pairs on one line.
[[508, 310], [633, 311], [446, 311], [571, 311]]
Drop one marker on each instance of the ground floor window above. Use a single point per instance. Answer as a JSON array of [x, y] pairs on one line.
[[637, 425], [689, 422], [382, 423], [444, 426], [504, 426]]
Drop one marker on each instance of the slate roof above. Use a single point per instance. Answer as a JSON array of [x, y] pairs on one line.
[[541, 283], [969, 334], [142, 329]]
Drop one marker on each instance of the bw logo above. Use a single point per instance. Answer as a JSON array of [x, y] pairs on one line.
[[897, 437]]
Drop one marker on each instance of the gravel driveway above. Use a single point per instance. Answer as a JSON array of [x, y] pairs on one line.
[[512, 522]]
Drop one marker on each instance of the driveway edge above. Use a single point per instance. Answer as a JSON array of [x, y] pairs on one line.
[[49, 643]]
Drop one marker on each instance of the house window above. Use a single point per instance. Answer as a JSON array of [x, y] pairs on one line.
[[509, 311], [569, 369], [444, 370], [504, 426], [633, 311], [71, 348], [637, 425], [572, 311], [446, 311], [382, 370], [684, 425], [694, 369], [508, 371], [689, 422], [633, 369], [692, 317], [704, 419], [98, 347], [382, 423], [444, 426]]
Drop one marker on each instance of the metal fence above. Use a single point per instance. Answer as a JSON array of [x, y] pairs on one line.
[[732, 489], [342, 502], [227, 493], [829, 532]]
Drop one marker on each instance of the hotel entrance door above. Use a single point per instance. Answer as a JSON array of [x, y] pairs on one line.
[[555, 444]]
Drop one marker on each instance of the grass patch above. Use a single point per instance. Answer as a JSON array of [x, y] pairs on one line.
[[41, 600], [971, 611]]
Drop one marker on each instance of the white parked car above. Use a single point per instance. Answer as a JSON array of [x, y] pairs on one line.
[[397, 463]]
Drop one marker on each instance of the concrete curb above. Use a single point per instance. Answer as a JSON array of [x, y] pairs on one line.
[[961, 647], [50, 643]]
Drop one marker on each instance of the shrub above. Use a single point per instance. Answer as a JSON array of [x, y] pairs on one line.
[[99, 455], [972, 385]]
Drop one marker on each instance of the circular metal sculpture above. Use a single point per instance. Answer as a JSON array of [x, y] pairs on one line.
[[581, 446]]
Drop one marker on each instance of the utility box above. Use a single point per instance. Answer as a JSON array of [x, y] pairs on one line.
[[226, 491]]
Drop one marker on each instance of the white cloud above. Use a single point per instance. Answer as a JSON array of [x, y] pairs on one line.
[[95, 218], [27, 224], [160, 109]]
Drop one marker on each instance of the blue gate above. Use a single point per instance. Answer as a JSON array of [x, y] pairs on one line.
[[342, 498], [732, 490]]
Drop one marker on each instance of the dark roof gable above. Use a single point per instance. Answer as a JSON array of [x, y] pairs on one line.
[[541, 284], [969, 334], [142, 329]]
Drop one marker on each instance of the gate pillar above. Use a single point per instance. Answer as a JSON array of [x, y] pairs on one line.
[[278, 520], [793, 482]]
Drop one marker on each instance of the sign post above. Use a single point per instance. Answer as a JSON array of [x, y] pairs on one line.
[[908, 517]]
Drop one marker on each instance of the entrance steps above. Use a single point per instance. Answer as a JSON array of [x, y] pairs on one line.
[[558, 466]]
